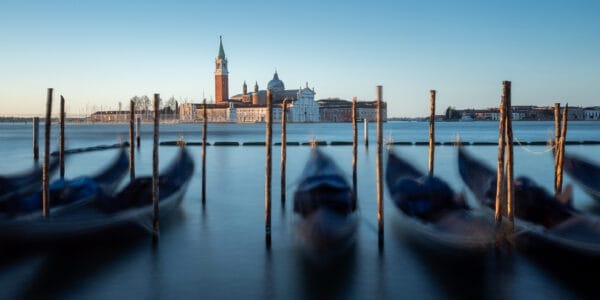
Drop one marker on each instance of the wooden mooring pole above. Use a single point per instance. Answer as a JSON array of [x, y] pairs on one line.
[[268, 141], [36, 133], [61, 139], [354, 152], [132, 141], [137, 132], [431, 130], [283, 149], [366, 132], [45, 172], [379, 162], [556, 144], [204, 126], [510, 193], [561, 157], [155, 190], [500, 164]]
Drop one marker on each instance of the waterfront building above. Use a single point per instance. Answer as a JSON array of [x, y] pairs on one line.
[[123, 116], [302, 106], [339, 110], [110, 116], [525, 113], [250, 106], [591, 113]]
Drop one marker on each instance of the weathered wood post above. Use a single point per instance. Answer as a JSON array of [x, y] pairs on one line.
[[283, 149], [137, 132], [500, 164], [268, 140], [155, 190], [354, 151], [45, 171], [131, 141], [366, 132], [204, 127], [563, 138], [61, 139], [556, 121], [556, 144], [379, 161], [431, 130], [36, 133], [510, 193]]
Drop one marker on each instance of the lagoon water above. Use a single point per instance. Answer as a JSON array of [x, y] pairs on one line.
[[218, 251]]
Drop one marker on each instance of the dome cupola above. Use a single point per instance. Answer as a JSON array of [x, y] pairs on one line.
[[275, 84]]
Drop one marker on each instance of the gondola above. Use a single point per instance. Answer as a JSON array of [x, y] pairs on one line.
[[326, 206], [542, 221], [584, 172], [21, 185], [132, 206], [433, 216], [66, 193]]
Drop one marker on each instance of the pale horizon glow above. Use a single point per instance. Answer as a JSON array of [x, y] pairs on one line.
[[100, 53]]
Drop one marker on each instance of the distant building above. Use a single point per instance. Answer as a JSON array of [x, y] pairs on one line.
[[575, 113], [591, 113], [527, 113], [123, 116], [116, 116], [250, 107], [479, 114], [339, 110]]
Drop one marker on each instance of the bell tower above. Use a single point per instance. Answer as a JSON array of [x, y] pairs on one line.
[[221, 76]]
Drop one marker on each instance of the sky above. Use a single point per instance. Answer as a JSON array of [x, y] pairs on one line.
[[99, 53]]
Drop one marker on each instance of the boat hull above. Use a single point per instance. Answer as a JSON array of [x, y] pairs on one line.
[[325, 235], [577, 236]]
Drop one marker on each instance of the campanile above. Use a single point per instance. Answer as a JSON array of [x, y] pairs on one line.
[[221, 76]]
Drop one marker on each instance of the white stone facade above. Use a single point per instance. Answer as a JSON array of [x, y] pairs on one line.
[[305, 108], [592, 113]]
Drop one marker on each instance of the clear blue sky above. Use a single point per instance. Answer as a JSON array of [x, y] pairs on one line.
[[100, 53]]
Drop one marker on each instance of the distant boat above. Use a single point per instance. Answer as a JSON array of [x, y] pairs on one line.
[[433, 215], [543, 222], [326, 207]]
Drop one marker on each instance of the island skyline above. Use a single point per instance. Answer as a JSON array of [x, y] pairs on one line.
[[102, 53]]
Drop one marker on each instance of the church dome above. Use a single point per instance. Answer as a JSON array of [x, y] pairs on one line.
[[275, 84]]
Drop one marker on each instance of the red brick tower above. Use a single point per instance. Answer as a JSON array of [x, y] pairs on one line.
[[221, 76]]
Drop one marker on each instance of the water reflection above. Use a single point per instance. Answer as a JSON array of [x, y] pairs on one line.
[[327, 280], [458, 276], [577, 273], [73, 263]]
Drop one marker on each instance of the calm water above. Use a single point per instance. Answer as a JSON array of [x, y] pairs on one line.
[[218, 252]]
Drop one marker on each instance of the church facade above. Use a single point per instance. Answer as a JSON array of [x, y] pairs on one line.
[[251, 107]]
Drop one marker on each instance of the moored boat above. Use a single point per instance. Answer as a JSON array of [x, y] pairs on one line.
[[21, 185], [584, 172], [432, 215], [67, 193], [542, 221], [132, 206], [326, 207]]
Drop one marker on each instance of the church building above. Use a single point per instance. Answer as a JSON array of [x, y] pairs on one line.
[[251, 107]]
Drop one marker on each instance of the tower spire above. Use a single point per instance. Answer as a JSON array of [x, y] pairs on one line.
[[221, 76], [221, 50]]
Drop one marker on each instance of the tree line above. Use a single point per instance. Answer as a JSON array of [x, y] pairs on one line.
[[144, 104]]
